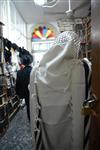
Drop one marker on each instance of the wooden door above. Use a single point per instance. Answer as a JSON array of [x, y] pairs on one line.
[[95, 124]]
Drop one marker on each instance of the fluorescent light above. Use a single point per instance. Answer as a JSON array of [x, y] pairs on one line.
[[40, 2]]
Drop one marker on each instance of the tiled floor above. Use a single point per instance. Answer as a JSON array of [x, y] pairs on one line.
[[18, 135]]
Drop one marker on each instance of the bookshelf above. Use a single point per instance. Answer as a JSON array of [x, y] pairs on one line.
[[9, 101], [84, 31]]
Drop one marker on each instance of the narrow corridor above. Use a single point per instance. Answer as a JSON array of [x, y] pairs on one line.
[[18, 135]]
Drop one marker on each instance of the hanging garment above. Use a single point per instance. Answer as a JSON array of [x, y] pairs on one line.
[[60, 81], [88, 96]]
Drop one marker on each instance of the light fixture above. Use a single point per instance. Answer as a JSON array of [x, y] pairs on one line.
[[40, 2], [46, 3]]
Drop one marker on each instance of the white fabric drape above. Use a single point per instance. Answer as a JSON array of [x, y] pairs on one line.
[[60, 80]]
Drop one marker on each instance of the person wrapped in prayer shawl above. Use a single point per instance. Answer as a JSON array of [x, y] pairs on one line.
[[57, 92]]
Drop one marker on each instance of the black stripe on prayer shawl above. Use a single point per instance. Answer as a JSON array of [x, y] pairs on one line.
[[86, 67], [87, 92]]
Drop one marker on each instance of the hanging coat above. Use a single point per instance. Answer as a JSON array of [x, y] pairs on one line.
[[57, 92]]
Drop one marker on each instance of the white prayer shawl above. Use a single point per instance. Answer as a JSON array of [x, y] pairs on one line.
[[60, 80]]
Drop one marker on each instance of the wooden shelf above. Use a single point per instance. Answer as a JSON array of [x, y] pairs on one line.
[[1, 122], [9, 104], [3, 104], [86, 50], [2, 95], [13, 113]]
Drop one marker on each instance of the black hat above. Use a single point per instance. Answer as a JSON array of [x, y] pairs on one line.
[[2, 23], [7, 43], [14, 46], [25, 57]]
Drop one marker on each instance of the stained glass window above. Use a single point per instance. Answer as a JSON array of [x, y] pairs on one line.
[[42, 33], [42, 39]]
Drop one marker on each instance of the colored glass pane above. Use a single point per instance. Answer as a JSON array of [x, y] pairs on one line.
[[42, 33]]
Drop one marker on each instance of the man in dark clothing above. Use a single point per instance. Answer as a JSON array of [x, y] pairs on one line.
[[22, 81]]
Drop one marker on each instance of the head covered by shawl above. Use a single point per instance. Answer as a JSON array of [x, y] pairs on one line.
[[59, 60], [66, 46]]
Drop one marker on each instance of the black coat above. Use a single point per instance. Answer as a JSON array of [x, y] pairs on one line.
[[22, 81]]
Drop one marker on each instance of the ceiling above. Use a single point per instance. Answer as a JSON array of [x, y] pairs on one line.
[[33, 13]]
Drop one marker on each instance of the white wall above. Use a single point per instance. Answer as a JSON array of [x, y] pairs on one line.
[[15, 26]]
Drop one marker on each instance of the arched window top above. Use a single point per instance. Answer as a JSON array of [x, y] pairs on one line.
[[43, 33]]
